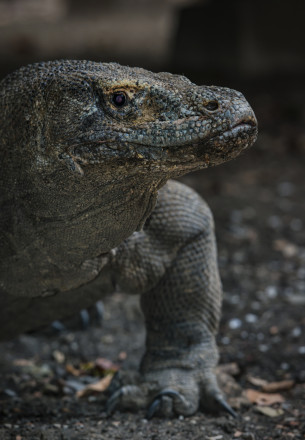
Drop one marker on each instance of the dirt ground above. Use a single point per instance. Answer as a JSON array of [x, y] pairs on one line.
[[259, 211]]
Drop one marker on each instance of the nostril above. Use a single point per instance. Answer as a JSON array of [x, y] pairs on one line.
[[211, 106]]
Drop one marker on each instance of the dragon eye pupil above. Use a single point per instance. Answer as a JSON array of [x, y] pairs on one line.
[[211, 105], [119, 99]]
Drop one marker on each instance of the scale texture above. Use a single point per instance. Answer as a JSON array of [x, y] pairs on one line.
[[87, 153]]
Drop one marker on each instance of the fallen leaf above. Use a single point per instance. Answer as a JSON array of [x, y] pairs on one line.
[[97, 387], [232, 369], [287, 248], [257, 381], [72, 370], [278, 386], [23, 362], [273, 330], [270, 412], [270, 387], [106, 365], [216, 437], [87, 366], [263, 399], [122, 356], [59, 356]]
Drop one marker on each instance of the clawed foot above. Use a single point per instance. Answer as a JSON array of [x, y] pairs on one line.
[[183, 396], [92, 316]]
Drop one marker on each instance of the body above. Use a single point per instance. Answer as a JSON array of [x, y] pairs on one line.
[[87, 152]]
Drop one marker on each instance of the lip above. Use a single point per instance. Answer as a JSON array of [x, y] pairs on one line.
[[246, 126]]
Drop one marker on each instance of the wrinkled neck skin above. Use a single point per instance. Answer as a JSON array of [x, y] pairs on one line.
[[96, 142]]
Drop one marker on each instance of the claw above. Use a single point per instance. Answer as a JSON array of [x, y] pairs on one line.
[[113, 401], [155, 405], [58, 326], [85, 318], [100, 311], [171, 393], [225, 406]]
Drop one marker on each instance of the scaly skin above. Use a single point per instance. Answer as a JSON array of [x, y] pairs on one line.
[[87, 151]]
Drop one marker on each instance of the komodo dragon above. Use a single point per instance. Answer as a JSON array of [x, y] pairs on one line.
[[87, 151]]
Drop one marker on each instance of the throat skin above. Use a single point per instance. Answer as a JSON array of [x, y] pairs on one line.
[[92, 214], [74, 230]]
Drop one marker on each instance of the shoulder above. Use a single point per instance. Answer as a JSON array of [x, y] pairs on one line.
[[181, 212]]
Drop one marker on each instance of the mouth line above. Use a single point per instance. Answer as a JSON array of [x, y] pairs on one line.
[[247, 126], [244, 122]]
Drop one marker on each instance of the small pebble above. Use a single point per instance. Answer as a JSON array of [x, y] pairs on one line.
[[260, 336], [74, 346], [225, 340], [263, 348], [233, 299], [244, 334], [236, 216], [296, 224], [285, 189], [301, 349], [296, 332], [271, 292], [235, 323], [251, 318], [9, 392], [274, 221], [255, 305]]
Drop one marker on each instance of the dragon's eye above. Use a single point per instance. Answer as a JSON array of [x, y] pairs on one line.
[[119, 99], [211, 106]]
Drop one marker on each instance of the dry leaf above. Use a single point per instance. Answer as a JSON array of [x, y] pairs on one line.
[[263, 399], [270, 412], [59, 356], [287, 248], [278, 386], [216, 437], [106, 365], [271, 387], [122, 356], [232, 369], [23, 362], [257, 381], [97, 387], [72, 370], [87, 366]]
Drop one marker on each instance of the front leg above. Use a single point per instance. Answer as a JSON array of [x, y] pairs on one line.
[[173, 262]]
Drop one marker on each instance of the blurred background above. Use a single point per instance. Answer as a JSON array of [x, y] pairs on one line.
[[257, 47]]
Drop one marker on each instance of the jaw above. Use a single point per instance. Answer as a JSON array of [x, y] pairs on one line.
[[179, 160]]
